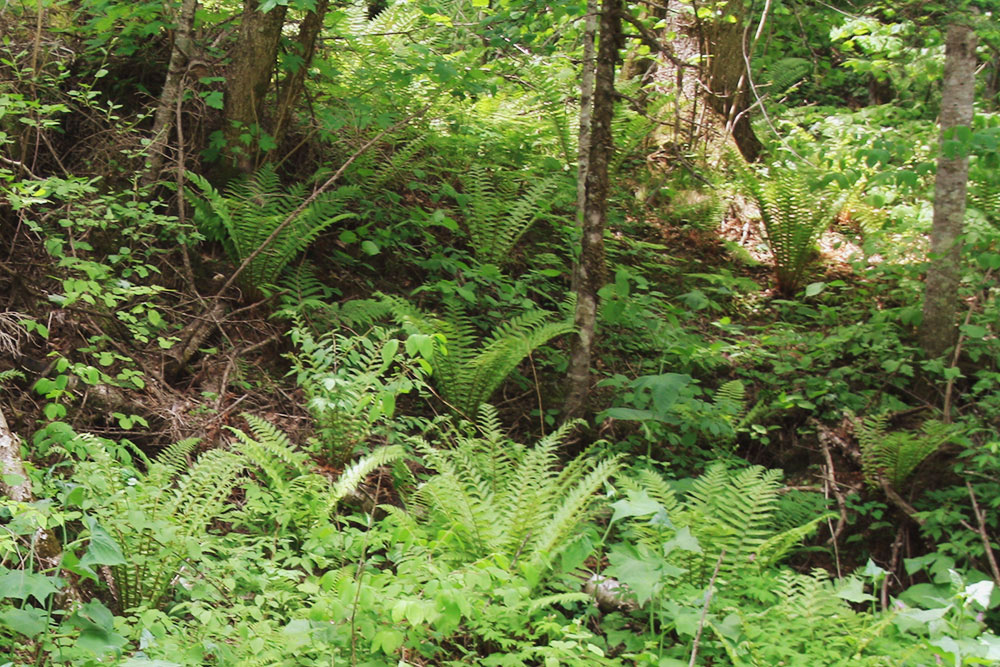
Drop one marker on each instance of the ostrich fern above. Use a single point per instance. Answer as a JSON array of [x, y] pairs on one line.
[[894, 455], [159, 518], [498, 213], [494, 497]]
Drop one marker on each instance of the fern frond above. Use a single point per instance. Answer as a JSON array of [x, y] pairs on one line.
[[571, 511], [252, 209], [494, 218], [353, 476], [894, 455]]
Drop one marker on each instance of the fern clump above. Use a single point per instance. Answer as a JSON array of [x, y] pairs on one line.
[[159, 518], [894, 455], [351, 382], [795, 209], [467, 369], [497, 214], [251, 210], [295, 494], [728, 520], [491, 496]]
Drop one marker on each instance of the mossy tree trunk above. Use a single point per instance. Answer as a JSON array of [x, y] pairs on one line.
[[294, 82]]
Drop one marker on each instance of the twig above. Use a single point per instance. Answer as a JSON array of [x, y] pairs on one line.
[[897, 546], [704, 610], [981, 522], [898, 500], [830, 482]]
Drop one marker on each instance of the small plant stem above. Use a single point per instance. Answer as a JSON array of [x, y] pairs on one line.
[[359, 575], [950, 386], [538, 393], [704, 610]]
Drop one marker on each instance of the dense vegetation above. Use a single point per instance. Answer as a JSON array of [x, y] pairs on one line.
[[499, 333]]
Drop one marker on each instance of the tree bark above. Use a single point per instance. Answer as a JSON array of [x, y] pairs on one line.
[[589, 271], [586, 114], [247, 81], [176, 70], [937, 330], [725, 76], [294, 83], [14, 482]]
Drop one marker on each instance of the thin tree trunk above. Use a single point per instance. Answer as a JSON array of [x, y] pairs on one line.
[[586, 113], [294, 83], [589, 272], [247, 82], [176, 70], [937, 331]]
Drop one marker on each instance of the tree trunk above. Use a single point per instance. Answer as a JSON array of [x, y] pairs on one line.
[[176, 70], [938, 331], [589, 271], [294, 82], [725, 77], [586, 114], [247, 82]]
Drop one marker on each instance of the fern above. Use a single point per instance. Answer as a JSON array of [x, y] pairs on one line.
[[466, 370], [496, 216], [251, 210], [10, 374], [158, 518], [894, 455], [301, 494], [351, 383], [795, 212], [491, 496], [784, 74], [733, 516]]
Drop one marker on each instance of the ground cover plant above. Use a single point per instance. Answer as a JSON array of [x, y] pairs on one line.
[[499, 334]]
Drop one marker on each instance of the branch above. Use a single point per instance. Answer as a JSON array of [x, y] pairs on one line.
[[650, 39]]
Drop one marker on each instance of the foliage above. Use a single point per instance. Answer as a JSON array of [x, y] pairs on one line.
[[159, 519], [496, 217], [495, 497], [894, 455], [795, 210], [351, 383], [467, 369], [251, 211]]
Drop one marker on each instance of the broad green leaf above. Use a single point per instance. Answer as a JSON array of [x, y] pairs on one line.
[[21, 584], [103, 549], [636, 504], [29, 621]]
